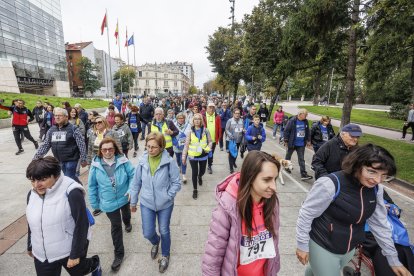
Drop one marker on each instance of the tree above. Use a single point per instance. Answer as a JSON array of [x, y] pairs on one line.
[[192, 90], [126, 76], [87, 75]]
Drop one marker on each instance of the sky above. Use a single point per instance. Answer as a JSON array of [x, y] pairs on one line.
[[164, 30]]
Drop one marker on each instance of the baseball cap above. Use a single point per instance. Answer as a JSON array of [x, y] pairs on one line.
[[211, 104], [352, 129]]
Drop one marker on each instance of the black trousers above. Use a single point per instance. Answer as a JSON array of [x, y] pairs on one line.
[[223, 130], [232, 160], [135, 138], [42, 131], [198, 169], [405, 127], [17, 131], [85, 266], [116, 217], [210, 159]]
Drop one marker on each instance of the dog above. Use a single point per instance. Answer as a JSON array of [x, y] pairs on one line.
[[285, 164]]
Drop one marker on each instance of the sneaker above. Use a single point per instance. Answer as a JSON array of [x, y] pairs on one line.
[[128, 228], [20, 151], [116, 264], [200, 181], [36, 144], [98, 269], [96, 212], [195, 194], [221, 149], [154, 250], [402, 138], [306, 177], [142, 138], [274, 137], [231, 171], [164, 261], [210, 170], [242, 154], [184, 179], [227, 151], [235, 165], [135, 154]]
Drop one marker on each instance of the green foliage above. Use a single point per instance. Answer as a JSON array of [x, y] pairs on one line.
[[192, 90], [126, 75], [399, 111], [87, 75]]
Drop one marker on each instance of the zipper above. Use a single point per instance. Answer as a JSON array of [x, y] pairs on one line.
[[41, 227], [350, 238], [362, 205]]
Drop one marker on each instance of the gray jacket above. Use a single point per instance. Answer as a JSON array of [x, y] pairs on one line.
[[234, 130], [124, 134]]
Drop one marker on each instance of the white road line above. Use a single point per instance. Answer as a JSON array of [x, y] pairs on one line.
[[400, 194], [303, 188]]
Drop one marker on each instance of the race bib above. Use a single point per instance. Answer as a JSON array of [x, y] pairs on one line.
[[134, 125], [59, 136], [301, 134], [263, 115], [260, 246], [325, 137], [121, 133], [199, 149], [181, 141], [238, 129]]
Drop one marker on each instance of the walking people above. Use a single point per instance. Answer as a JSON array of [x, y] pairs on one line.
[[263, 113], [58, 225], [39, 114], [234, 132], [225, 115], [297, 138], [244, 231], [212, 122], [147, 114], [134, 120], [76, 121], [331, 220], [409, 124], [109, 179], [110, 117], [278, 122], [166, 127], [21, 118], [156, 182], [184, 129], [321, 132], [82, 114], [49, 119], [124, 133], [255, 134]]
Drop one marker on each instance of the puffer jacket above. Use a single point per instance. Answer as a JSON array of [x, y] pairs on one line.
[[92, 150], [155, 192], [102, 193], [223, 243]]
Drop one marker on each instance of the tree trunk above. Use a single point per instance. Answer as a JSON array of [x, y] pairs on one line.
[[317, 87], [350, 75], [273, 101], [412, 78], [236, 87]]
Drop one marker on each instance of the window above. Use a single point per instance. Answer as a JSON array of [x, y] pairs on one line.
[[165, 76], [165, 83], [147, 82], [175, 84]]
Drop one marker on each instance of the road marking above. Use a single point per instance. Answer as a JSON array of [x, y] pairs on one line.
[[303, 188], [400, 194]]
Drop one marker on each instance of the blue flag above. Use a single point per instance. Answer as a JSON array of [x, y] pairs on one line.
[[131, 40]]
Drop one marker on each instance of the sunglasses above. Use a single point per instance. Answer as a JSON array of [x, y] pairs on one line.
[[98, 122]]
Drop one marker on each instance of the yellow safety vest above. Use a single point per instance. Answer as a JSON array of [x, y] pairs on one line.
[[168, 139], [196, 146], [211, 125]]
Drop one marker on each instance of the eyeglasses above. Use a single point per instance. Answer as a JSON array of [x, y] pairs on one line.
[[98, 122], [152, 147], [108, 150], [375, 175], [60, 115]]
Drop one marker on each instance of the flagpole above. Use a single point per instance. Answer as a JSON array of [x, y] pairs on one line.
[[120, 59], [135, 64], [109, 52], [128, 63]]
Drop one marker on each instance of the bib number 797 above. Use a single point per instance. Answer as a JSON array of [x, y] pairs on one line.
[[256, 248]]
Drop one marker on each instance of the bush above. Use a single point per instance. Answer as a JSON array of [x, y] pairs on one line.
[[398, 111]]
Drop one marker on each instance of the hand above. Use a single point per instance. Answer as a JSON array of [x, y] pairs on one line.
[[72, 263], [400, 271], [133, 209], [309, 144], [244, 131], [30, 253], [302, 256], [259, 137], [285, 144], [84, 164], [254, 138], [169, 131]]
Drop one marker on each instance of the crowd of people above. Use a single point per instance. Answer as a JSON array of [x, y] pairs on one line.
[[244, 232]]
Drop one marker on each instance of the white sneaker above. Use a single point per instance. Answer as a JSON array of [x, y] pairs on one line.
[[274, 137], [184, 179]]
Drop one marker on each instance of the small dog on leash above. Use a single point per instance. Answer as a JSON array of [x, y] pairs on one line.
[[285, 164]]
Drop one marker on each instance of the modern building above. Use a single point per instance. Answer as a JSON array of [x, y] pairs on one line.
[[160, 79], [185, 68], [32, 50], [106, 67]]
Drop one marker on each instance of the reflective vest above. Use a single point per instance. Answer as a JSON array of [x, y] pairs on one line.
[[196, 146], [168, 139]]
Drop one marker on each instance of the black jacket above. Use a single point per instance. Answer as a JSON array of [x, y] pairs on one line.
[[147, 112], [39, 113], [264, 114], [290, 132], [329, 157], [316, 133]]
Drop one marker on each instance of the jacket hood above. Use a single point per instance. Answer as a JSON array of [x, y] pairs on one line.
[[226, 192], [120, 159]]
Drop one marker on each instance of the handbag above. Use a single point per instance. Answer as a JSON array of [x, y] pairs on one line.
[[233, 148], [399, 232]]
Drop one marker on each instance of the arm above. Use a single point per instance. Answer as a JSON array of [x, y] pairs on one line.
[[317, 201], [80, 141], [186, 145], [78, 210], [286, 133], [30, 114], [380, 227], [228, 133], [174, 129], [274, 117], [44, 148], [248, 135], [81, 127], [209, 140], [319, 160], [135, 186], [129, 137], [217, 241], [93, 189], [29, 233], [263, 134], [131, 173], [175, 181], [7, 108]]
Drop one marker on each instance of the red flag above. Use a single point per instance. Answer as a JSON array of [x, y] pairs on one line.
[[116, 32], [104, 24], [126, 37]]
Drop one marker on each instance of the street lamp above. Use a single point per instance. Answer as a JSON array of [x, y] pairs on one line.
[[232, 13]]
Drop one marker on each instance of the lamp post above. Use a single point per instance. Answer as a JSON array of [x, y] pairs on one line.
[[232, 14]]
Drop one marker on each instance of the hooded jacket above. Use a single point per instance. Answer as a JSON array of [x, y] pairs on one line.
[[221, 255]]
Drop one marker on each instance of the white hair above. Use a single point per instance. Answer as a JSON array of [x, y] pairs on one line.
[[63, 111], [159, 109]]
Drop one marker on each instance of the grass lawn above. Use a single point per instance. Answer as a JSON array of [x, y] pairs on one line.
[[31, 100], [365, 117], [403, 152]]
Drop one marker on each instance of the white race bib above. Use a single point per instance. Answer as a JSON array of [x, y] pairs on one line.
[[257, 247], [121, 133], [59, 136], [300, 134], [181, 141], [238, 129], [325, 136], [199, 149], [134, 125], [263, 115]]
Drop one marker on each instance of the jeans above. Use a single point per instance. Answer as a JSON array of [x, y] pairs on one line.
[[41, 130], [17, 131], [198, 169], [405, 127], [300, 151], [232, 160], [210, 159], [275, 127], [182, 167], [69, 170], [116, 217], [143, 126], [223, 131], [148, 227]]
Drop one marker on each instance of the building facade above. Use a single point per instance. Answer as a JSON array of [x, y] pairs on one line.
[[32, 50], [160, 79], [185, 68]]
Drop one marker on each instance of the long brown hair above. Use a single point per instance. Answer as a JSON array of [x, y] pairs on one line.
[[251, 167]]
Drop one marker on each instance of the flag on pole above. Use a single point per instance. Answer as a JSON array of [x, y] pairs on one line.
[[126, 37], [116, 32], [131, 40], [104, 24]]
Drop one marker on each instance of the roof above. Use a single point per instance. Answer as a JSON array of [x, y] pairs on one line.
[[77, 46]]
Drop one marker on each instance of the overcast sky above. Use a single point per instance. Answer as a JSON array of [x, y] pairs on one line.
[[165, 30]]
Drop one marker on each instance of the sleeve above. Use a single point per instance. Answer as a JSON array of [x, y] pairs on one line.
[[130, 139], [228, 133], [82, 127], [319, 160], [44, 147], [175, 181], [93, 188], [274, 117], [248, 135], [216, 245], [209, 140], [135, 185], [115, 136], [173, 128], [30, 114], [317, 201], [130, 170], [29, 232], [78, 208], [80, 141], [7, 108], [381, 230], [91, 140], [286, 133], [263, 134], [312, 134], [186, 145]]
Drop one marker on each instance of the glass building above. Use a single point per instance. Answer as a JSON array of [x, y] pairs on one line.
[[31, 37]]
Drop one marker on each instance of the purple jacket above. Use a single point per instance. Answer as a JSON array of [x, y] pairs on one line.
[[223, 244]]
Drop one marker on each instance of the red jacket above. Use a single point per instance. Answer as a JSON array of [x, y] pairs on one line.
[[20, 115], [218, 128]]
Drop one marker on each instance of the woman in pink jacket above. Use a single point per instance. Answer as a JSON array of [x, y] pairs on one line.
[[244, 231], [278, 122]]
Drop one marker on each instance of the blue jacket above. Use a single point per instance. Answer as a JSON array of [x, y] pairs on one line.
[[253, 131], [225, 116], [102, 195], [290, 132], [156, 192], [118, 104]]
